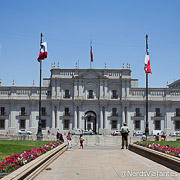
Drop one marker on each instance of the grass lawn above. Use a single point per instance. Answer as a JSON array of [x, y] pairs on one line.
[[175, 144], [11, 147]]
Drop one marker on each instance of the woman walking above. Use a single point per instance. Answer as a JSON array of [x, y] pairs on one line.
[[81, 139], [69, 140]]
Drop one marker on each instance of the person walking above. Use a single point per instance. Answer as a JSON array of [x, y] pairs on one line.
[[69, 140], [61, 139], [57, 135], [124, 133], [81, 140]]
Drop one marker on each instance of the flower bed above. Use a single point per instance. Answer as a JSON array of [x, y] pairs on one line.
[[18, 160], [164, 149]]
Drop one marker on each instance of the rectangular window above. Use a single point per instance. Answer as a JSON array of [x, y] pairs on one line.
[[22, 124], [114, 94], [114, 111], [2, 124], [158, 112], [66, 124], [43, 125], [90, 96], [66, 111], [43, 111], [2, 110], [137, 124], [114, 124], [158, 125], [177, 111], [23, 111], [177, 125], [138, 112], [67, 94]]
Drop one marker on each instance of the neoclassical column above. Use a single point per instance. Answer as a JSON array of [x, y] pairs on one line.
[[123, 89], [101, 118], [75, 117], [101, 90], [75, 89], [105, 88], [123, 115], [53, 117]]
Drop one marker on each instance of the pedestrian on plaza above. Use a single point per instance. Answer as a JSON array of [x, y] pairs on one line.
[[157, 137], [143, 137], [81, 140], [61, 139], [57, 135], [49, 131], [164, 136], [124, 133], [69, 140]]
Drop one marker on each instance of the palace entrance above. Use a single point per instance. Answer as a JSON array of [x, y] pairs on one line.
[[90, 121]]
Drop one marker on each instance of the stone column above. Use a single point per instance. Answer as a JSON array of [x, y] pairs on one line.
[[53, 117], [123, 89], [75, 117], [123, 115], [80, 88], [105, 117], [101, 118], [101, 90], [75, 89], [105, 89], [53, 88], [58, 89]]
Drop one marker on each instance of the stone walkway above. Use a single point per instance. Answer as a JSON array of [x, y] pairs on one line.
[[104, 163]]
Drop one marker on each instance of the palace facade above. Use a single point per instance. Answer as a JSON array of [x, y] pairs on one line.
[[97, 99]]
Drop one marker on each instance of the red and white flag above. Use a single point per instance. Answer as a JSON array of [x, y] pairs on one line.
[[147, 67], [91, 53], [43, 52]]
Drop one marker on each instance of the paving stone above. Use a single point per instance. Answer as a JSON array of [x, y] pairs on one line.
[[105, 163]]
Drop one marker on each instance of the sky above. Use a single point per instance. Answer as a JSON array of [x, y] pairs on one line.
[[117, 29]]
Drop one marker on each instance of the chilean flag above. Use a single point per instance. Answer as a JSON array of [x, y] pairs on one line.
[[43, 52], [91, 53], [147, 67]]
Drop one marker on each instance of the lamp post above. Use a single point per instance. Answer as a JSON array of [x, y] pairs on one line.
[[147, 127], [39, 133]]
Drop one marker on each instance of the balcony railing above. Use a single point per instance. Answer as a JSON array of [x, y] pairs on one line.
[[137, 114], [114, 114], [157, 114], [90, 97], [67, 114], [67, 96], [22, 113], [114, 97], [2, 113], [43, 113]]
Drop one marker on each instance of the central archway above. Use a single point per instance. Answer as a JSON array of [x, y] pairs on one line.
[[90, 121]]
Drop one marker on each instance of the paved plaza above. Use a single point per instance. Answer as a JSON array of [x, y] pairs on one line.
[[104, 163]]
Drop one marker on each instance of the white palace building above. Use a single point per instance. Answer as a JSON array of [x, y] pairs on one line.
[[97, 99]]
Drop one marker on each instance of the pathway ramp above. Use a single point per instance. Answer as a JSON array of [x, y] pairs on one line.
[[104, 163]]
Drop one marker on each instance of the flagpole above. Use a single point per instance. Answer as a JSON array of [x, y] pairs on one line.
[[39, 133], [147, 128], [90, 54]]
